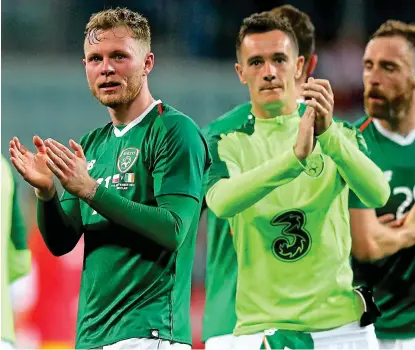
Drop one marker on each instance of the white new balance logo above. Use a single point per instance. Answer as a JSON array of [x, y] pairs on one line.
[[90, 164]]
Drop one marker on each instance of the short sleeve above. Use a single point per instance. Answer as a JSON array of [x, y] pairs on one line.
[[224, 162], [181, 159]]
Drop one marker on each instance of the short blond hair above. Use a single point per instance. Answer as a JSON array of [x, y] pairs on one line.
[[119, 17], [396, 28]]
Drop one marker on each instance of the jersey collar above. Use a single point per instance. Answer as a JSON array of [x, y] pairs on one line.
[[393, 136], [129, 126]]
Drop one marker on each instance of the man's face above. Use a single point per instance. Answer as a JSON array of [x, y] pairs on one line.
[[269, 65], [115, 66], [388, 77]]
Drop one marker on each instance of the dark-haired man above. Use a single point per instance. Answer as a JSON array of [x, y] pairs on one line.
[[282, 182]]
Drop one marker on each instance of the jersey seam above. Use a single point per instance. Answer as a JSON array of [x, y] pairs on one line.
[[171, 298]]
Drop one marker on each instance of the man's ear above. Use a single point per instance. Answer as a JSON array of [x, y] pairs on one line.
[[239, 71]]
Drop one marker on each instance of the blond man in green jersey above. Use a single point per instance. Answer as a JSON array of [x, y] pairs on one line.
[[283, 182], [385, 253], [219, 316], [133, 188]]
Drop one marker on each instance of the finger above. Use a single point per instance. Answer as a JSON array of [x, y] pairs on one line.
[[40, 145], [22, 149], [57, 160], [308, 117], [19, 154], [318, 97], [410, 215], [16, 154], [319, 84], [13, 148], [18, 165], [325, 83], [57, 151], [13, 144], [320, 89], [55, 169], [317, 106], [386, 218], [79, 152], [16, 142], [396, 223], [63, 148]]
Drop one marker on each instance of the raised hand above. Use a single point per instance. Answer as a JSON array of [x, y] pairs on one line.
[[409, 218], [32, 166], [321, 98], [70, 167], [305, 139], [390, 221]]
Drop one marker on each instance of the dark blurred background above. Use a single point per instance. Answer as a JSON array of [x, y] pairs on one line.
[[44, 92]]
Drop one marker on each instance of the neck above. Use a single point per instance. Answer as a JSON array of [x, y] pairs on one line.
[[126, 113], [273, 110], [404, 123]]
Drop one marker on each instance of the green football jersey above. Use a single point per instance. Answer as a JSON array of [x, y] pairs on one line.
[[221, 263], [131, 286], [290, 222], [392, 278]]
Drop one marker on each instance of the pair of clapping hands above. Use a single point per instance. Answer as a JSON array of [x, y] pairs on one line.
[[52, 158], [317, 117]]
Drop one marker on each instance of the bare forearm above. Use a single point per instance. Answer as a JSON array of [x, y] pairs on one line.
[[383, 242], [389, 241]]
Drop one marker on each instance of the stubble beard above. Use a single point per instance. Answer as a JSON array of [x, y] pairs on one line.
[[128, 93], [392, 111]]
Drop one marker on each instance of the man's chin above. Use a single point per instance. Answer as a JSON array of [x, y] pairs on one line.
[[110, 102], [275, 101], [377, 112]]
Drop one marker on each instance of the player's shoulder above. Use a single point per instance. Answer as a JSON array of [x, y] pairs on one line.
[[95, 135], [364, 124], [230, 121], [346, 126], [171, 118], [352, 132]]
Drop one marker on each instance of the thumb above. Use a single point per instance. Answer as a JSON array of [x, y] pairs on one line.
[[40, 145], [79, 152]]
